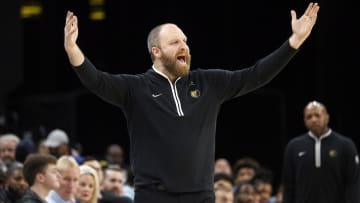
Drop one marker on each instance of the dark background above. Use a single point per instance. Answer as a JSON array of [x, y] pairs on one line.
[[39, 91]]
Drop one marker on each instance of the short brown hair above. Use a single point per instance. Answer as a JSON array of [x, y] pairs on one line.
[[35, 164]]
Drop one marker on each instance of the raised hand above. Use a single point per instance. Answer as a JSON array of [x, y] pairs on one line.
[[71, 31], [301, 27]]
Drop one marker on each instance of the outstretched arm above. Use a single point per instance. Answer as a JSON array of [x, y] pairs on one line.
[[71, 33], [301, 27]]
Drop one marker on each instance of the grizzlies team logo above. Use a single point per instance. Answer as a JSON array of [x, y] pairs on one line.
[[195, 93], [332, 153]]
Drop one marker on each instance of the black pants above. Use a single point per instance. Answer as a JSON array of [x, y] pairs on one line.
[[156, 195]]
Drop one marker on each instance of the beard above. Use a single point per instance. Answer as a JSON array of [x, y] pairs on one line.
[[174, 67]]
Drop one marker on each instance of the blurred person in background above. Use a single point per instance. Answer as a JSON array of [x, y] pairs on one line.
[[16, 185], [321, 165], [58, 143], [105, 196], [69, 175], [222, 165], [88, 189], [245, 170], [8, 144], [223, 188]]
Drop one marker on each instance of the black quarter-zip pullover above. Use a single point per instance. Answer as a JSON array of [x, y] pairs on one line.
[[321, 170], [172, 125]]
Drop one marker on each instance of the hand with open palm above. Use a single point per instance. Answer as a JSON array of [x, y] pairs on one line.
[[301, 27]]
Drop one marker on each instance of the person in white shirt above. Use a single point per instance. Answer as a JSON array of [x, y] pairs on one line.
[[70, 173]]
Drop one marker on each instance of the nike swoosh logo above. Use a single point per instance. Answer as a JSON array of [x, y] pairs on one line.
[[156, 95], [302, 153]]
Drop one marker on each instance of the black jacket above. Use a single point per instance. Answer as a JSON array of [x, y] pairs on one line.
[[107, 197], [31, 197], [324, 170], [172, 125]]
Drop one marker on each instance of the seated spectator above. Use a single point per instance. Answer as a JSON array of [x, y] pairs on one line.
[[263, 185], [16, 185], [223, 188], [245, 170], [69, 176], [246, 193], [106, 196], [41, 174], [222, 165], [88, 189], [8, 144], [58, 143], [223, 180]]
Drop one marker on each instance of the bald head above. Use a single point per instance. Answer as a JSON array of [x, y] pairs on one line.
[[316, 118], [315, 104], [155, 36]]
